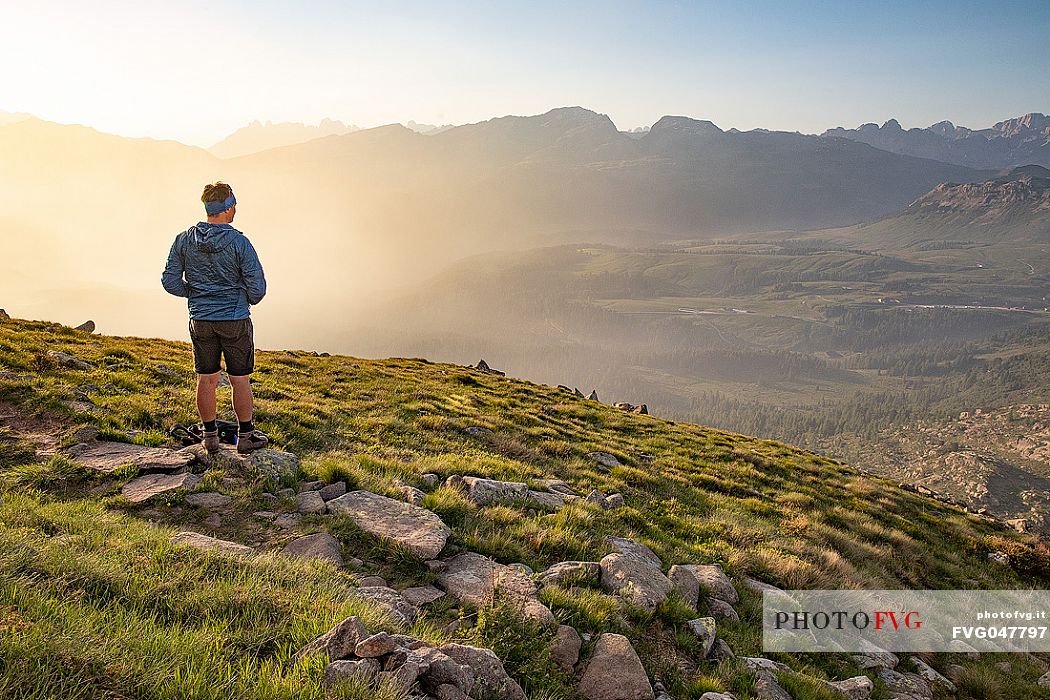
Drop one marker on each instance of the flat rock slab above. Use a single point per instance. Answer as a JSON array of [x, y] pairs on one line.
[[422, 595], [487, 491], [320, 546], [107, 457], [267, 463], [417, 529], [208, 500], [210, 544], [143, 488]]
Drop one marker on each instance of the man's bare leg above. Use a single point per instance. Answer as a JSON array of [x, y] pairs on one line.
[[243, 402], [206, 386]]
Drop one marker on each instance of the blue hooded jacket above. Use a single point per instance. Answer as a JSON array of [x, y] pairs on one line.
[[216, 268]]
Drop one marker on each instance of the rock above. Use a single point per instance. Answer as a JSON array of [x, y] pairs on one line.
[[930, 675], [593, 396], [338, 642], [143, 488], [490, 678], [379, 644], [856, 688], [210, 544], [411, 494], [905, 683], [107, 457], [274, 465], [166, 371], [288, 521], [446, 691], [767, 687], [334, 490], [759, 587], [1018, 524], [320, 546], [443, 670], [430, 481], [550, 501], [613, 501], [876, 659], [685, 585], [310, 502], [720, 651], [389, 600], [597, 498], [436, 566], [87, 327], [584, 572], [213, 521], [716, 696], [68, 361], [1044, 680], [615, 672], [372, 581], [605, 459], [487, 491], [476, 579], [713, 581], [704, 629], [634, 573], [286, 493], [417, 529], [209, 500], [1001, 558], [955, 672], [265, 514], [4, 316], [478, 431], [311, 486], [758, 663], [565, 647], [419, 596], [365, 670], [721, 610], [86, 433]]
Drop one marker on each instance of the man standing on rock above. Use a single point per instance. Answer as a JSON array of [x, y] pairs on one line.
[[216, 268]]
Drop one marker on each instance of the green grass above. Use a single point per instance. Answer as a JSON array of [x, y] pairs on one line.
[[97, 603]]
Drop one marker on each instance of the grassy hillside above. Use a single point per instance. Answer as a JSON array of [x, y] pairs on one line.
[[95, 601]]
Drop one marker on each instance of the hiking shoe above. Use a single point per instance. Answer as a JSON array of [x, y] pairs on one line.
[[211, 441], [249, 442]]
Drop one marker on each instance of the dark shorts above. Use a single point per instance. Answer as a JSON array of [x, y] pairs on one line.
[[231, 340]]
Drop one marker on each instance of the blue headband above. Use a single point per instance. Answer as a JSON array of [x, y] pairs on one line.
[[214, 208]]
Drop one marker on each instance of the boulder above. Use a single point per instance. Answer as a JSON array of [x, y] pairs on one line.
[[476, 579], [685, 585], [274, 465], [208, 500], [372, 581], [333, 490], [613, 501], [875, 660], [720, 651], [490, 678], [704, 629], [565, 647], [430, 481], [767, 687], [758, 663], [716, 696], [338, 642], [1044, 680], [856, 688], [712, 581], [757, 586], [721, 610], [379, 644], [443, 670], [422, 595], [107, 457], [550, 501], [488, 491], [905, 683], [311, 486], [449, 692], [411, 494], [210, 544], [310, 502], [288, 521], [633, 572], [66, 360], [418, 530], [556, 486], [930, 675], [143, 488], [615, 672], [365, 670], [320, 546], [605, 459], [584, 572], [388, 600]]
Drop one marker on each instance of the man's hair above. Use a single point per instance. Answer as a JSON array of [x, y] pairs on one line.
[[216, 192]]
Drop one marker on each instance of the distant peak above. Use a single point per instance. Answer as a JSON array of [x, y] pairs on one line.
[[1028, 171], [892, 125], [684, 125]]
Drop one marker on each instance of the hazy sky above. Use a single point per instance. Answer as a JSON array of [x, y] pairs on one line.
[[195, 70]]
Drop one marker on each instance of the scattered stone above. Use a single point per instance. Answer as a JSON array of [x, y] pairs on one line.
[[704, 629], [274, 465], [446, 691], [721, 650], [443, 670], [389, 600], [334, 490], [166, 371], [436, 566], [476, 579], [487, 491], [422, 595], [875, 660], [758, 663], [265, 514], [1001, 558], [85, 433], [478, 431], [565, 647], [716, 696], [597, 498], [584, 572], [605, 459], [430, 481], [373, 581], [213, 521], [905, 683], [411, 494], [338, 642], [713, 581], [615, 672], [556, 486], [484, 367], [379, 644], [760, 587], [490, 678], [417, 529], [107, 457], [210, 544], [68, 361], [87, 327], [856, 688], [613, 501], [311, 486], [1044, 680], [310, 502], [721, 610], [550, 501], [286, 493], [143, 488], [929, 674], [767, 687], [365, 670], [685, 585], [320, 546], [634, 572], [288, 521], [208, 500]]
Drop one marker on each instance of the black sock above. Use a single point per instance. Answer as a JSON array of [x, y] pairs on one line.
[[247, 426], [210, 427]]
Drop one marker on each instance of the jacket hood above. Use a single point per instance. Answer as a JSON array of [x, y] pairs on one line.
[[211, 238]]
